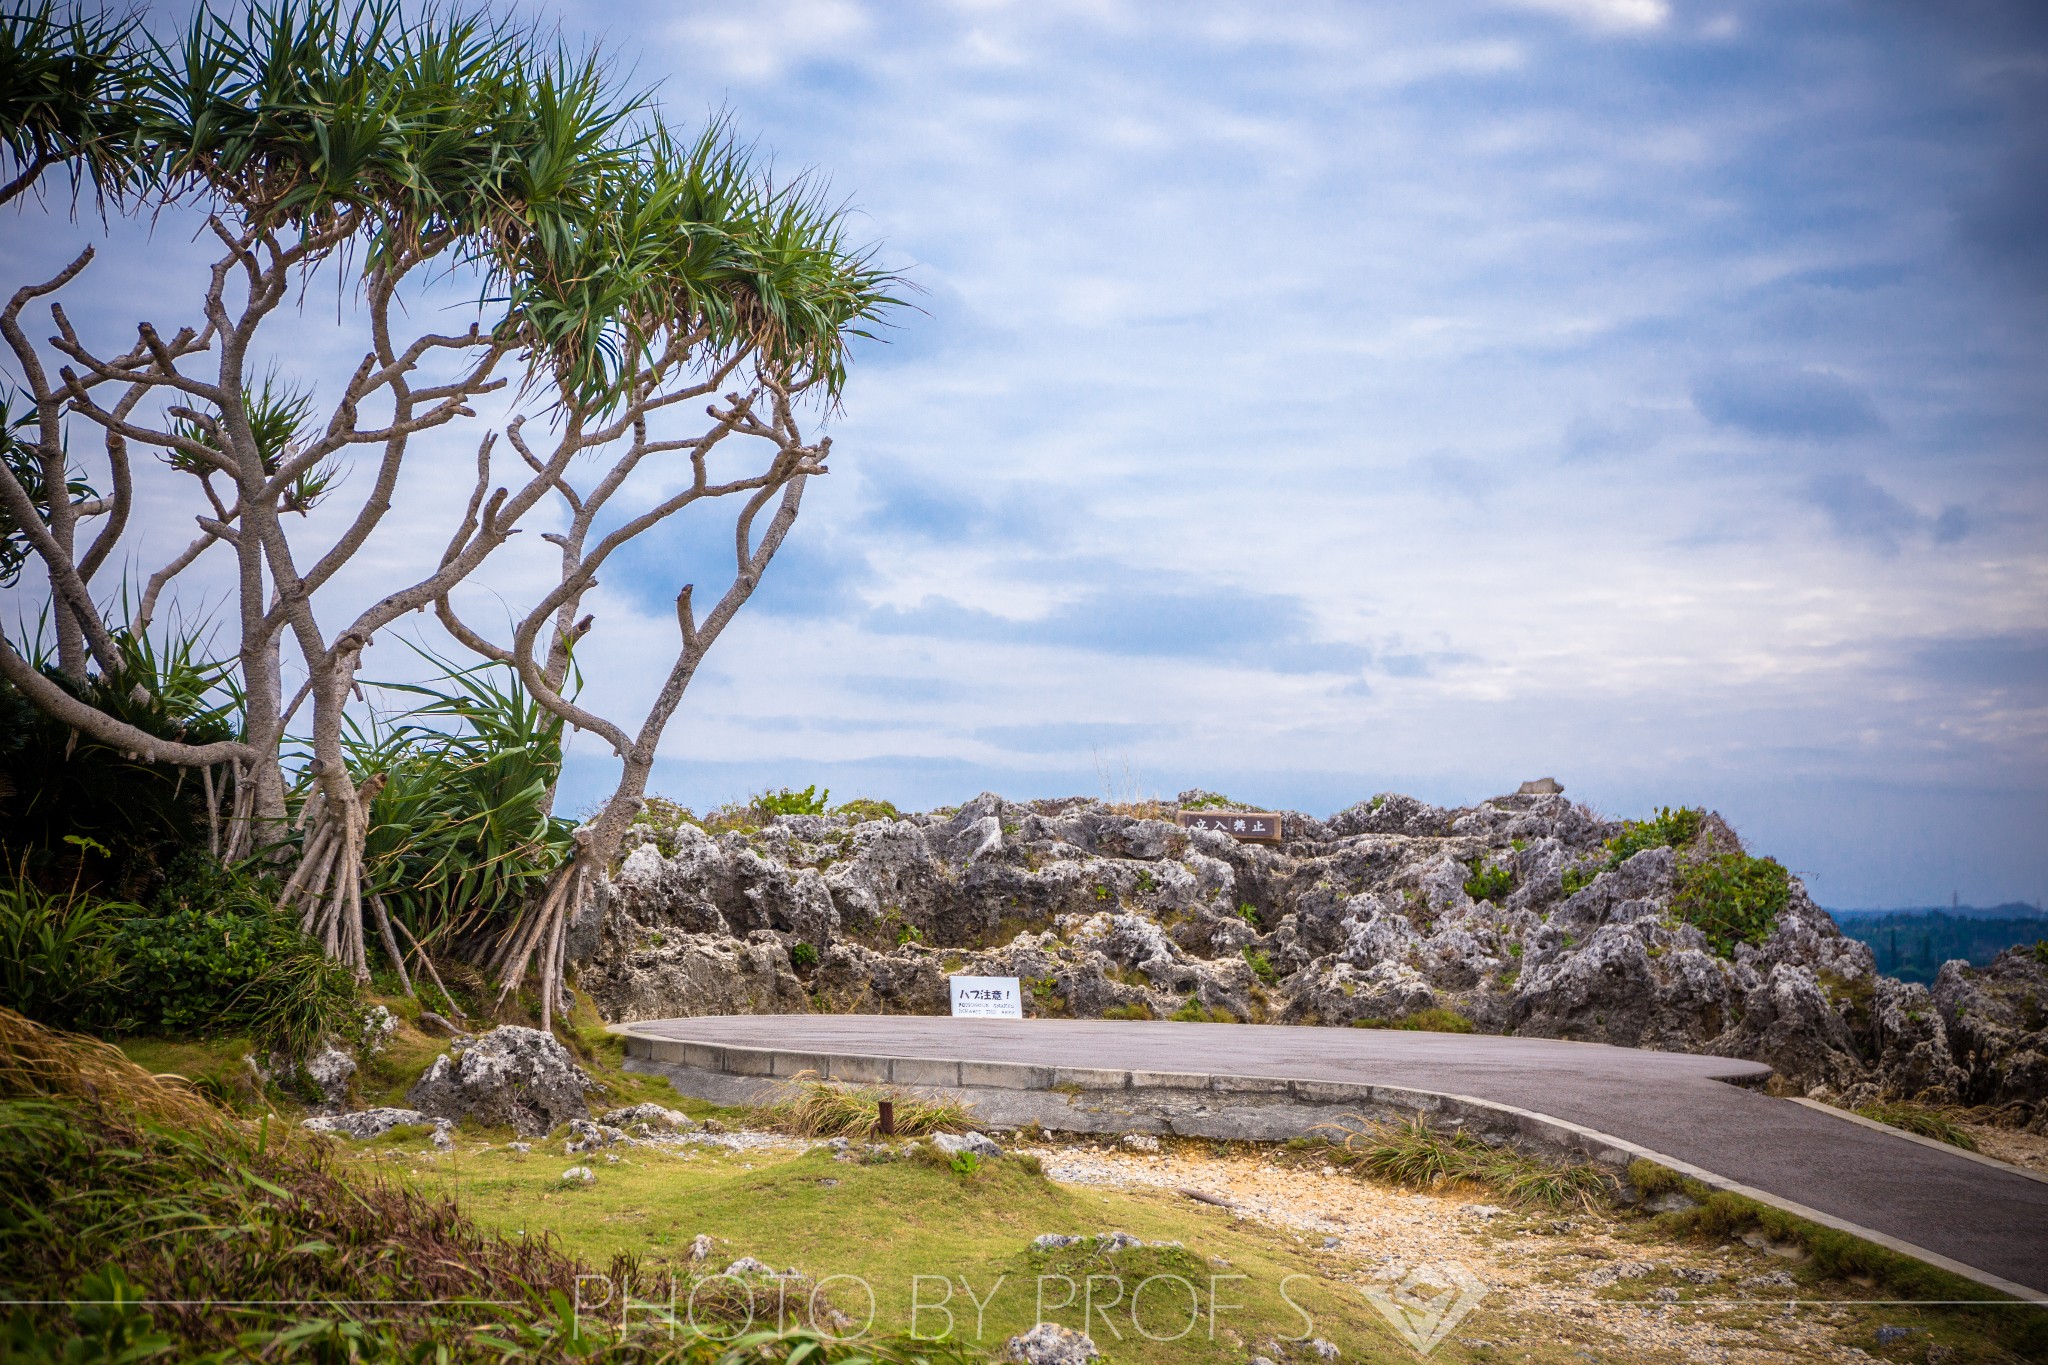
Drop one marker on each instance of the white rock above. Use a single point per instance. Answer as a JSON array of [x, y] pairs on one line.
[[1051, 1344], [579, 1175], [978, 1143]]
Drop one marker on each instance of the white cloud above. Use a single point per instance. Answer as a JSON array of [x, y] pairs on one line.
[[761, 42], [1604, 14]]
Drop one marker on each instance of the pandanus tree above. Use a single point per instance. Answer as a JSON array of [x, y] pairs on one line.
[[624, 279]]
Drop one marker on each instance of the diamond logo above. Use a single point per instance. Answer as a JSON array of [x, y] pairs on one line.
[[1423, 1303]]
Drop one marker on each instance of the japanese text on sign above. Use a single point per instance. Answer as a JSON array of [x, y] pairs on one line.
[[1255, 826], [986, 997]]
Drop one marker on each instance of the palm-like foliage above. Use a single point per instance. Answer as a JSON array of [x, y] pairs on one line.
[[603, 239], [461, 831], [70, 95]]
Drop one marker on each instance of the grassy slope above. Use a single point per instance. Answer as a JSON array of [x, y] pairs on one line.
[[893, 1221], [890, 1222]]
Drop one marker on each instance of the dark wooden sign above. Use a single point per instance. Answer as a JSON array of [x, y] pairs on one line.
[[1252, 826]]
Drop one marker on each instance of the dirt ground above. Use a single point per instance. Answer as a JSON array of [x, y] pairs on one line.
[[1600, 1280]]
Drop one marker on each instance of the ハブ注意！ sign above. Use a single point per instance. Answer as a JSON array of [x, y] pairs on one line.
[[1253, 826], [986, 997]]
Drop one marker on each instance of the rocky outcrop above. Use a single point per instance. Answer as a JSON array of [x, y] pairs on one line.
[[1996, 1022], [1519, 914], [518, 1078]]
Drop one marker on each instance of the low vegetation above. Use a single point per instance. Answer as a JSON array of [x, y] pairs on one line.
[[1732, 898], [1490, 881], [814, 1107], [1435, 1019], [1412, 1151], [144, 1224], [1925, 1120]]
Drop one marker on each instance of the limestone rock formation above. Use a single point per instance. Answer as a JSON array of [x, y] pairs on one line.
[[1526, 913], [519, 1078]]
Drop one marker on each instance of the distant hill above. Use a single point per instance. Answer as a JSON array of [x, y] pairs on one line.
[[1911, 944]]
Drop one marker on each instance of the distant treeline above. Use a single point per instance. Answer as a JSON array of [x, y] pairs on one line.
[[1912, 944]]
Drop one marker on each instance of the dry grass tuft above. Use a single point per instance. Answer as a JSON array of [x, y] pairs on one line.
[[1411, 1152], [43, 1063], [814, 1107], [1923, 1120]]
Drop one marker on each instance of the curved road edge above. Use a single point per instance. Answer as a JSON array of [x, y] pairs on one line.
[[670, 1056]]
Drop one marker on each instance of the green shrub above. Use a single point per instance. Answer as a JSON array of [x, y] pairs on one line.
[[60, 960], [809, 801], [908, 935], [1577, 879], [1261, 965], [1211, 802], [1249, 913], [1135, 1009], [1489, 882], [213, 956], [803, 956], [1668, 828], [1732, 898]]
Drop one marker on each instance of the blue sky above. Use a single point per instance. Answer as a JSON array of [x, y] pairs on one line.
[[1312, 400]]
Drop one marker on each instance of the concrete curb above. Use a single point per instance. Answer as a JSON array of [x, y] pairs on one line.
[[1538, 1129]]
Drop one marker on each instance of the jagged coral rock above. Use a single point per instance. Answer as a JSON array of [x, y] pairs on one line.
[[1365, 916]]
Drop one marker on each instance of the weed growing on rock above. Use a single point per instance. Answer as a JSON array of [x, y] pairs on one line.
[[1135, 1009], [809, 801], [1490, 882], [861, 809], [1261, 965], [1668, 828], [1733, 898], [803, 956]]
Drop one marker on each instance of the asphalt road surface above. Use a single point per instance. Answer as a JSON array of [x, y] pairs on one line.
[[1675, 1103]]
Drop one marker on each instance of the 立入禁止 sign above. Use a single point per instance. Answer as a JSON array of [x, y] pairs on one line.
[[1256, 826], [986, 997]]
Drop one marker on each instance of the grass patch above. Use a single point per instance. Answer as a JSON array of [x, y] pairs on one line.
[[1921, 1119], [968, 1235], [814, 1107], [1412, 1152], [118, 1187], [1435, 1019]]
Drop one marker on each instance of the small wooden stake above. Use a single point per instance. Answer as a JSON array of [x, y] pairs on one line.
[[886, 1125]]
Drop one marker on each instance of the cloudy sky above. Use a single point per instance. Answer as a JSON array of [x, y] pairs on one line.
[[1305, 401]]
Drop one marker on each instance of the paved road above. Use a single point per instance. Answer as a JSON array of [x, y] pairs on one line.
[[1674, 1103]]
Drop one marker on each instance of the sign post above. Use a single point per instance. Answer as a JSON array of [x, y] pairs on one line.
[[986, 997], [1249, 826]]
